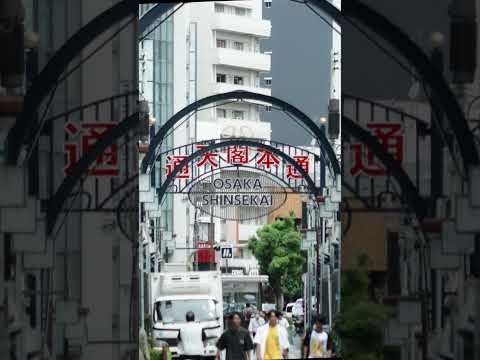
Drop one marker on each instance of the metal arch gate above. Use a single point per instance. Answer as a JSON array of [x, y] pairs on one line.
[[314, 190], [409, 135], [392, 34], [408, 190], [157, 140], [315, 170], [22, 131], [351, 10], [56, 202]]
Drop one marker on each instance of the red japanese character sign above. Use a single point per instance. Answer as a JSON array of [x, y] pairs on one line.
[[389, 135], [105, 164], [303, 161], [237, 155], [209, 158], [173, 161], [266, 159]]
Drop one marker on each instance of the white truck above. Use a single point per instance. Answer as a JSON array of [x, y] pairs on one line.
[[173, 295]]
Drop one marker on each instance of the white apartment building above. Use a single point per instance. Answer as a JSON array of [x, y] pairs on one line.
[[216, 50]]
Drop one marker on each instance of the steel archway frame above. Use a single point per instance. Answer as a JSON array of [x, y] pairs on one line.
[[315, 191], [157, 140], [393, 35], [352, 9], [55, 204], [22, 131], [409, 191], [153, 14]]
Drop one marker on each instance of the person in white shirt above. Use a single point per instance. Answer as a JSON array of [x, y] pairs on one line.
[[255, 322], [315, 344], [283, 322], [191, 338], [271, 339]]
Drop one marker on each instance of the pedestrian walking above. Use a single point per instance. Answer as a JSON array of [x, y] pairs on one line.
[[255, 322], [271, 339], [282, 321], [236, 340], [247, 312], [315, 343], [192, 338]]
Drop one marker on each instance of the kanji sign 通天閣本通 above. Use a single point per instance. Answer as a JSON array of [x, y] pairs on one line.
[[236, 155]]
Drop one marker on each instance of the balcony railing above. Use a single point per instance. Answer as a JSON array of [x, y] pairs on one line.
[[220, 88], [242, 25], [242, 59]]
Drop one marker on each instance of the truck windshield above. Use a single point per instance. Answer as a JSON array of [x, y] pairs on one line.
[[174, 311]]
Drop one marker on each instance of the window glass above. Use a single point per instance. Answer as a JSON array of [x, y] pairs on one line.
[[240, 11], [221, 78], [238, 80], [173, 311], [237, 114], [221, 43], [221, 113], [237, 45]]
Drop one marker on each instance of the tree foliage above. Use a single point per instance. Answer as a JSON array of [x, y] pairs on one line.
[[277, 248], [361, 323]]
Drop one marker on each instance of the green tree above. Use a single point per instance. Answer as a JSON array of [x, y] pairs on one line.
[[361, 324], [277, 247]]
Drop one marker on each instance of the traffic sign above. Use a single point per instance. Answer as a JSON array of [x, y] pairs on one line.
[[227, 252]]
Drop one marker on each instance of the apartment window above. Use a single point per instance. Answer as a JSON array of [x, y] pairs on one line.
[[240, 11], [268, 3], [268, 81], [221, 113], [221, 78], [237, 45], [237, 114], [219, 8], [221, 43], [238, 80], [268, 108]]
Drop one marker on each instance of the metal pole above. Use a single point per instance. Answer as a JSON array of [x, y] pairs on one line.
[[318, 277], [142, 292], [329, 295], [423, 299], [477, 321]]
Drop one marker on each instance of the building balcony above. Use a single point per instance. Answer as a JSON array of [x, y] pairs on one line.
[[220, 88], [242, 59], [242, 25]]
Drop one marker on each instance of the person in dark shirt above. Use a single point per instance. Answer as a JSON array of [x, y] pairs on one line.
[[236, 340]]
